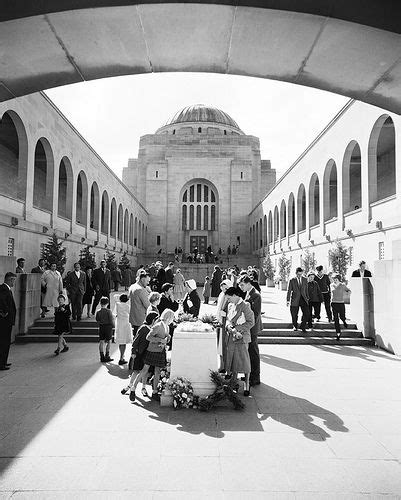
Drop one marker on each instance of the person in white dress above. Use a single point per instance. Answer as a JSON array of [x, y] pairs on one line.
[[123, 329], [53, 283], [179, 285]]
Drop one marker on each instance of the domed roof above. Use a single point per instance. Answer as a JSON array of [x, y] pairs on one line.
[[202, 113]]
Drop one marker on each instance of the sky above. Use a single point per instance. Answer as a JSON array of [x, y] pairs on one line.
[[112, 114]]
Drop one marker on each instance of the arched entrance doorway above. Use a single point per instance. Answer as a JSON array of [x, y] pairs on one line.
[[198, 225]]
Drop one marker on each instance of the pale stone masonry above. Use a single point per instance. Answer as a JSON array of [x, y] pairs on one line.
[[203, 147]]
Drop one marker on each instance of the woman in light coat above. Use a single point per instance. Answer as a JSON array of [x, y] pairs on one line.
[[53, 283], [179, 285]]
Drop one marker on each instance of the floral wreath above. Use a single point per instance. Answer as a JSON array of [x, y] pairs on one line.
[[183, 392]]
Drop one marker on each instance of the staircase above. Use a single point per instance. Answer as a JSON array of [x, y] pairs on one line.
[[273, 333], [321, 334], [42, 331]]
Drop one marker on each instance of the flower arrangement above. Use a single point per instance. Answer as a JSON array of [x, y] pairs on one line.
[[223, 391], [194, 326], [164, 379], [210, 319], [183, 393], [185, 318]]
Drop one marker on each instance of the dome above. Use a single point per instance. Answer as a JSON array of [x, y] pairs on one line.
[[202, 113]]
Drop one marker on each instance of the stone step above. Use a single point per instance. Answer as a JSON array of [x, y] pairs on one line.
[[322, 325], [317, 341], [50, 322], [311, 333], [25, 339]]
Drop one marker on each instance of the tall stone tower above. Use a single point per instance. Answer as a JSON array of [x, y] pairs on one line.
[[199, 176]]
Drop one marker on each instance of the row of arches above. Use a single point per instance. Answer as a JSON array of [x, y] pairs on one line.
[[93, 209], [322, 195]]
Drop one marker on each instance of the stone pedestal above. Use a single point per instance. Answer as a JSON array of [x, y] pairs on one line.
[[193, 356]]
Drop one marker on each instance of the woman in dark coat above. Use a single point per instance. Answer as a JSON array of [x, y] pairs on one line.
[[216, 280], [192, 302], [88, 295]]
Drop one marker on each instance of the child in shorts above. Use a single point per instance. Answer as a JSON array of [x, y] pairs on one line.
[[106, 324]]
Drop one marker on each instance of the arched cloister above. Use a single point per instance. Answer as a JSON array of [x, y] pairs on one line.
[[43, 175], [330, 191], [301, 208], [283, 220], [126, 227], [270, 228], [105, 223], [131, 230], [113, 218], [136, 232], [120, 221], [381, 160], [65, 189], [81, 213], [276, 222], [265, 231], [352, 178], [94, 207], [291, 214], [314, 201], [13, 156]]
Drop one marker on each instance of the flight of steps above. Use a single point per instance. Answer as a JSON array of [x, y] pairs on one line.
[[42, 331], [322, 334], [273, 333]]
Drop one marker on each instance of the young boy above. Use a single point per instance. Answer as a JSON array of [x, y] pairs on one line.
[[206, 290], [106, 324]]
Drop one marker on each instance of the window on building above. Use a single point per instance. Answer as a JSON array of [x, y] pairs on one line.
[[157, 174], [201, 216], [199, 130], [158, 239], [206, 194], [135, 242], [381, 250], [192, 193], [174, 132], [10, 247], [191, 217], [199, 192], [242, 175], [351, 255], [225, 132], [198, 217]]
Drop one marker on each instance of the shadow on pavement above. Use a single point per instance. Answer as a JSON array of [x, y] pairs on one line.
[[368, 354], [286, 364]]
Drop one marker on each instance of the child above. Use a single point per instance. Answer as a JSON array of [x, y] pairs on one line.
[[123, 330], [139, 346], [206, 290], [106, 323], [62, 324], [338, 291], [154, 299]]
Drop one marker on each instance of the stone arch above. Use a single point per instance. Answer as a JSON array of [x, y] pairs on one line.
[[381, 160], [43, 175], [105, 222], [314, 200], [352, 178], [291, 214], [120, 221], [200, 197], [136, 232], [330, 191], [276, 224], [301, 208], [270, 227], [126, 226], [283, 220], [81, 212], [94, 207], [65, 189], [131, 230], [113, 218], [265, 230], [13, 155], [257, 235]]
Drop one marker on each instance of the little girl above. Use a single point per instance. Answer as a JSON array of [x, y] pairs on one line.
[[206, 290], [154, 299], [139, 346], [155, 354], [62, 324], [123, 329]]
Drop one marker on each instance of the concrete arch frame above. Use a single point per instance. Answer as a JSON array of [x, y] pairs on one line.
[[330, 191], [43, 195], [314, 200], [351, 178]]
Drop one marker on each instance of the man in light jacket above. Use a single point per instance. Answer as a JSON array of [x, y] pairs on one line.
[[138, 294]]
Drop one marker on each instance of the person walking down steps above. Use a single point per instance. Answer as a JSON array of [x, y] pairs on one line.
[[106, 324]]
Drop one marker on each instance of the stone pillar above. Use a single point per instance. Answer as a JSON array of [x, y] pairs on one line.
[[365, 180], [26, 178], [362, 305]]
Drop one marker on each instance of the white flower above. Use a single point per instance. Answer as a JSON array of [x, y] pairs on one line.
[[184, 395]]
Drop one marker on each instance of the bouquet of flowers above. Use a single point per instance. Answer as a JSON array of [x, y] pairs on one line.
[[164, 379], [194, 326], [183, 393], [210, 319], [185, 317]]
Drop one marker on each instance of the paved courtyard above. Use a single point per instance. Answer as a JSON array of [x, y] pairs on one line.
[[324, 423]]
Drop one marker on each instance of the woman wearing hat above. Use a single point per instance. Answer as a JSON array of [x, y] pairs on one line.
[[192, 302]]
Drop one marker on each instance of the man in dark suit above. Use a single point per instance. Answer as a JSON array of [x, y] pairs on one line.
[[76, 286], [253, 297], [160, 276], [362, 272], [101, 282], [169, 273], [297, 297], [40, 269], [7, 318]]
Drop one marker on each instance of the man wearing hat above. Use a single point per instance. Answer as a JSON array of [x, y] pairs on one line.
[[138, 294], [192, 302]]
